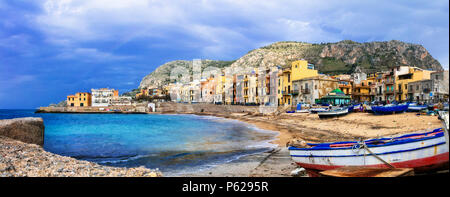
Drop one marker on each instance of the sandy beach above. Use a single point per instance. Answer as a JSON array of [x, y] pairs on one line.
[[308, 127]]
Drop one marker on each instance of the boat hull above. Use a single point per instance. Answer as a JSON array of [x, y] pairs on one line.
[[422, 155], [389, 109], [416, 108], [333, 113]]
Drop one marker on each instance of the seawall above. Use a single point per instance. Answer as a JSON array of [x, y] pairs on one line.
[[170, 107], [28, 130]]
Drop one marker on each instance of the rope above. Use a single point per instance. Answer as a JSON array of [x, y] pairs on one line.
[[376, 156]]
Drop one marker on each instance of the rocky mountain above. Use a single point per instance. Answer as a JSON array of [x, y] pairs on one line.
[[329, 58], [161, 75]]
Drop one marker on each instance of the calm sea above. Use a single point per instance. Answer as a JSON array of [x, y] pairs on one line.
[[172, 143]]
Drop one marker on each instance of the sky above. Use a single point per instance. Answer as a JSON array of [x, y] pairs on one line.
[[53, 48]]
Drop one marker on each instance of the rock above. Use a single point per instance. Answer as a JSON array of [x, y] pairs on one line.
[[28, 130], [298, 172]]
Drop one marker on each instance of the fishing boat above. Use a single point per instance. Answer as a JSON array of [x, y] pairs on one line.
[[333, 112], [413, 107], [420, 151], [301, 108], [350, 108], [390, 109], [369, 109], [316, 110]]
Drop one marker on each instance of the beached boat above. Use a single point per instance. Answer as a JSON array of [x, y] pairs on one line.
[[421, 151], [316, 110], [369, 109], [415, 108], [333, 112], [390, 109], [301, 108], [350, 108]]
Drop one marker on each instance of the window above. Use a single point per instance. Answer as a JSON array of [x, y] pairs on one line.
[[289, 78], [315, 87], [437, 77], [406, 86], [417, 87]]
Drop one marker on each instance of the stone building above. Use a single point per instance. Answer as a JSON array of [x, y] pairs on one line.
[[308, 90]]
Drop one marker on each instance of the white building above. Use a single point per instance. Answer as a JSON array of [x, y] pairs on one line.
[[102, 97]]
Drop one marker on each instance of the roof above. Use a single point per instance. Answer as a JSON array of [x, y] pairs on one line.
[[336, 93]]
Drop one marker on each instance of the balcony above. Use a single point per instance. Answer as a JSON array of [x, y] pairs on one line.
[[306, 91], [389, 92], [286, 93], [389, 82], [295, 92]]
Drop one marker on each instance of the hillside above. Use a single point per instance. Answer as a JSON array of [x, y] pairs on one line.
[[329, 58]]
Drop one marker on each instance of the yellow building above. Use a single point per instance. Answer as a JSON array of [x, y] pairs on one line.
[[80, 99], [219, 96], [402, 80], [363, 91], [299, 69]]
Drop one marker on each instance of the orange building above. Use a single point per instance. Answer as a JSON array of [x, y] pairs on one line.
[[80, 99]]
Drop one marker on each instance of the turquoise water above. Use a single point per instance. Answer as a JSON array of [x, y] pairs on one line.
[[172, 143]]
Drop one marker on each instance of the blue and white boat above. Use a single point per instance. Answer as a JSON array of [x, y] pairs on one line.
[[316, 110], [413, 107], [420, 151], [333, 112], [390, 109]]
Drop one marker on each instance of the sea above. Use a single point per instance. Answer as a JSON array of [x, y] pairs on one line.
[[174, 144]]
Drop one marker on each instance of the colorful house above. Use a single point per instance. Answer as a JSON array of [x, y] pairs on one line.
[[402, 80], [299, 69], [80, 99]]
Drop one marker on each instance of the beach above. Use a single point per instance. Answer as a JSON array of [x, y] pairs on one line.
[[308, 127], [23, 159]]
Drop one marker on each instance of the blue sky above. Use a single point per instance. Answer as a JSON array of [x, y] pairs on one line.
[[52, 48]]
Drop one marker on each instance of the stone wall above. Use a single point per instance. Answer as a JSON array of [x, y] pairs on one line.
[[28, 130], [170, 107]]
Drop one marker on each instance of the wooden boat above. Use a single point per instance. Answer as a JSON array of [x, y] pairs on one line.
[[415, 108], [301, 108], [350, 108], [316, 110], [390, 109], [333, 112], [421, 151]]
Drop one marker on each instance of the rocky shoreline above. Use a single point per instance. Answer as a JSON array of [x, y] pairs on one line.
[[20, 159]]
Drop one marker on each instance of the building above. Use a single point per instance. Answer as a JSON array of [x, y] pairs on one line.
[[311, 89], [434, 89], [378, 89], [219, 95], [207, 92], [102, 97], [358, 75], [405, 75], [299, 69], [121, 101], [268, 86], [440, 87], [364, 90], [345, 83], [80, 99], [388, 86], [335, 97]]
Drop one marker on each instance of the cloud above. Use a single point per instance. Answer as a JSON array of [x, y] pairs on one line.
[[91, 55], [225, 28]]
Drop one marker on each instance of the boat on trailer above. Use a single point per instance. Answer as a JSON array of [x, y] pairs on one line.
[[420, 151], [333, 112], [389, 109]]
